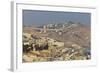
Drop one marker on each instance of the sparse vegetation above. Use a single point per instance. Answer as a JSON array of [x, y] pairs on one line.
[[58, 43]]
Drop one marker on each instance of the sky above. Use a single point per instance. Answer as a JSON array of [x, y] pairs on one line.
[[38, 18]]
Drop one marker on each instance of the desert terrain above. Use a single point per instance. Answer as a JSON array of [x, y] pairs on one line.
[[56, 42]]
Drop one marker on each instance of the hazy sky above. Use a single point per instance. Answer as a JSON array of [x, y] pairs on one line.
[[33, 17]]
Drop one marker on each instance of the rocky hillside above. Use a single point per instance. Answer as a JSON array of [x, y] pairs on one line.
[[59, 42], [77, 34]]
